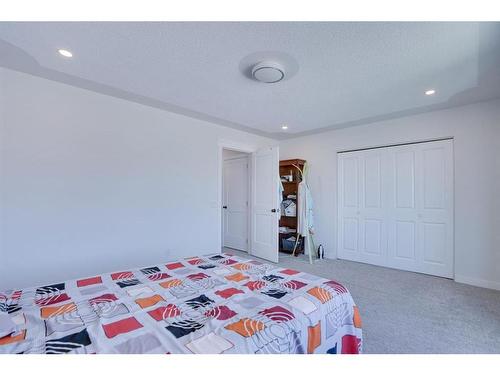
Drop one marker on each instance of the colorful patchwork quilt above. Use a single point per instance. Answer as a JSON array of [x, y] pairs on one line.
[[211, 304]]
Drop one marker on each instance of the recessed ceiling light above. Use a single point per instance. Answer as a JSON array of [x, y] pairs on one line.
[[430, 92], [284, 127], [65, 52]]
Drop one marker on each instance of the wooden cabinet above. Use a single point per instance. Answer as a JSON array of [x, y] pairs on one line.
[[290, 178]]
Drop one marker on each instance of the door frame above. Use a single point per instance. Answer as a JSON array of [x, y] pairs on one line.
[[401, 143], [240, 147]]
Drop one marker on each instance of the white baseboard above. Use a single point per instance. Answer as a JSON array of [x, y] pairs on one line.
[[478, 282], [482, 283]]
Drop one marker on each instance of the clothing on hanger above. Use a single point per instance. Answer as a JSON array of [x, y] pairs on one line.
[[305, 210]]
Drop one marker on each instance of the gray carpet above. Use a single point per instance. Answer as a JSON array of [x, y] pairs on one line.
[[406, 312]]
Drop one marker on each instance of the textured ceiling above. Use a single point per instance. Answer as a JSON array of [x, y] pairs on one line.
[[348, 73]]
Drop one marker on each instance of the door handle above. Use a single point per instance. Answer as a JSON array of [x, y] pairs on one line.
[[274, 210], [224, 207]]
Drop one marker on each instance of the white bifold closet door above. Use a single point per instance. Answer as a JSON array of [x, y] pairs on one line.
[[395, 207]]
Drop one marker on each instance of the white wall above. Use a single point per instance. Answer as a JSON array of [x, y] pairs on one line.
[[91, 183], [476, 132]]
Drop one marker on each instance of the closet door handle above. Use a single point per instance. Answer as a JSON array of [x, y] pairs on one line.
[[274, 210], [224, 207]]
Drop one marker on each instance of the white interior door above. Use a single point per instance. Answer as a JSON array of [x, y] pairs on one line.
[[265, 210], [235, 203], [396, 207]]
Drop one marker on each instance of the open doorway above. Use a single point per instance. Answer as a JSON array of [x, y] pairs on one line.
[[248, 200], [235, 199]]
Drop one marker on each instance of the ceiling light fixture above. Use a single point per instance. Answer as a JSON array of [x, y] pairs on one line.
[[430, 92], [268, 66], [268, 72], [284, 127], [65, 52]]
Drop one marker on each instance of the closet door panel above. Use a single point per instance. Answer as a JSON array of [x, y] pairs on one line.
[[399, 202], [373, 239], [435, 211], [348, 201], [351, 230], [434, 178], [434, 242], [373, 236], [404, 171], [351, 181], [405, 240], [373, 180], [402, 220]]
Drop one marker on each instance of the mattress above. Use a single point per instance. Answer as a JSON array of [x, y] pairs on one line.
[[217, 303]]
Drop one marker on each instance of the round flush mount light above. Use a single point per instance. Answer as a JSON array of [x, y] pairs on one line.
[[268, 72], [65, 52], [430, 92], [268, 67], [284, 127]]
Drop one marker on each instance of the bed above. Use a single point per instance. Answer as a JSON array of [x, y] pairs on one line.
[[217, 303]]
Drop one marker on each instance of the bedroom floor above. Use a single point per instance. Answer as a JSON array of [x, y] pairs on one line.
[[406, 312]]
